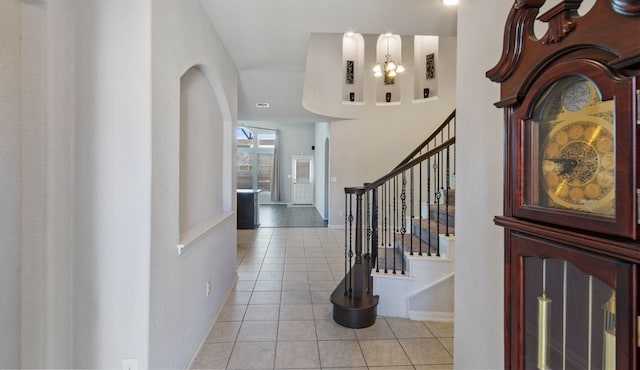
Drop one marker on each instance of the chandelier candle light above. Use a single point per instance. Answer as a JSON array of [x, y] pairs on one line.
[[388, 66]]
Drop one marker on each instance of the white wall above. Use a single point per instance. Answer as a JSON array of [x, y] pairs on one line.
[[112, 152], [479, 257], [321, 135], [10, 184], [47, 119], [180, 311], [34, 139], [379, 136], [83, 134], [85, 137]]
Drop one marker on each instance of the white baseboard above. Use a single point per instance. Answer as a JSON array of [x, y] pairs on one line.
[[431, 316]]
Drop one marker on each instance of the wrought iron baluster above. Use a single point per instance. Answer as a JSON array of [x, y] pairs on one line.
[[429, 205], [395, 219], [347, 240], [385, 227], [368, 244], [350, 280], [412, 211], [454, 147], [389, 216], [395, 205], [384, 218], [357, 268], [368, 223], [439, 198], [374, 221], [446, 203], [403, 225]]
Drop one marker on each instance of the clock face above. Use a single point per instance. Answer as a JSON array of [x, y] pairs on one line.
[[572, 150], [577, 167]]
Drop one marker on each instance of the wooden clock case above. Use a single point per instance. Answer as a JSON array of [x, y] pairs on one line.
[[602, 46]]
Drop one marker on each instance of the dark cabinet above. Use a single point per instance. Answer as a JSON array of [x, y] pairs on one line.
[[248, 209]]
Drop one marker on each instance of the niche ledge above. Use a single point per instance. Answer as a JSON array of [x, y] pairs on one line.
[[385, 104], [427, 100], [195, 233]]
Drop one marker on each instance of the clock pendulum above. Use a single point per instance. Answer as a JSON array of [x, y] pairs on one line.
[[544, 318], [609, 340]]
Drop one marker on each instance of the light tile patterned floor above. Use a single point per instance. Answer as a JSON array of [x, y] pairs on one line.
[[279, 314]]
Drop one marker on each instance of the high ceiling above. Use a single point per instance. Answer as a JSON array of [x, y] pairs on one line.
[[267, 40]]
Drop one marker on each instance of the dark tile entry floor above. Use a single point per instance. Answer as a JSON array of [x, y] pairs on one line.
[[281, 215]]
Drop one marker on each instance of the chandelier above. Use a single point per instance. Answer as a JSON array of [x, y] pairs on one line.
[[388, 67]]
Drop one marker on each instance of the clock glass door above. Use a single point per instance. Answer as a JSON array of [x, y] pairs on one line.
[[570, 150], [569, 317]]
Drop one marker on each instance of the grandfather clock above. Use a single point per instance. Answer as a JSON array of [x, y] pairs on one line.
[[572, 185]]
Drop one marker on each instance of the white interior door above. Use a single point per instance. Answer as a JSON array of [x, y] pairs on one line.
[[302, 175]]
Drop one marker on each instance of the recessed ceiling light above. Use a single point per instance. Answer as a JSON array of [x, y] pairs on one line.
[[450, 2], [262, 105]]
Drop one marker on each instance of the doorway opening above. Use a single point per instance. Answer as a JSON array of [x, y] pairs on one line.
[[255, 162]]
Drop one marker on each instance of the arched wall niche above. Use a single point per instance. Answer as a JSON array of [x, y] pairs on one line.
[[353, 66], [426, 57], [392, 45], [205, 144]]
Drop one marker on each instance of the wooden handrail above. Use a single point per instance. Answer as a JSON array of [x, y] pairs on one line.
[[398, 170], [428, 140]]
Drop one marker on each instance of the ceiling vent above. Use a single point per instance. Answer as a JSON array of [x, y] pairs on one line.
[[262, 105]]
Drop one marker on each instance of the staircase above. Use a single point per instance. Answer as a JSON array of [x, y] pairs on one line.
[[423, 290], [399, 239]]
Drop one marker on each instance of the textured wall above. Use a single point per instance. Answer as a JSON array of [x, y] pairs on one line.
[[479, 255], [10, 184], [112, 194], [180, 311]]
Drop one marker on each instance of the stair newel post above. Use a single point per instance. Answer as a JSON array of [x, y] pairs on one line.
[[367, 250], [358, 271], [349, 246], [347, 237], [374, 232]]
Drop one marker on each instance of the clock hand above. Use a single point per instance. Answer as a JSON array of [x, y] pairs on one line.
[[566, 165]]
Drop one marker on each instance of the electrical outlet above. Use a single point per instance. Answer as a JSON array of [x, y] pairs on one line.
[[208, 287], [130, 364]]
